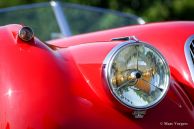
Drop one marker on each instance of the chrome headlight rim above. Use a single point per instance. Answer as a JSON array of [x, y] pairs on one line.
[[107, 69]]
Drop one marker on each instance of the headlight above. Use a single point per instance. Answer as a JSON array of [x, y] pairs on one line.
[[137, 75]]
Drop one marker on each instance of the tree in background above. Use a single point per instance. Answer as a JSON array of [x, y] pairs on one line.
[[150, 10]]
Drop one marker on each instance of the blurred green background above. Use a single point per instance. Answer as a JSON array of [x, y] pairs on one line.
[[149, 10]]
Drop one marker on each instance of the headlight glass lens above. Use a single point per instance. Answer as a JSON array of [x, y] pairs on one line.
[[137, 75]]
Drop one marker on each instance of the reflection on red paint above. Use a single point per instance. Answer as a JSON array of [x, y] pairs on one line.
[[7, 126]]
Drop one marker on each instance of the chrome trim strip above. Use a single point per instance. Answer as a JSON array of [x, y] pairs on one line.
[[188, 55], [61, 19]]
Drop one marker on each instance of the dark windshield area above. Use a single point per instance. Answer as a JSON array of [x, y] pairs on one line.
[[46, 22], [83, 19], [40, 17]]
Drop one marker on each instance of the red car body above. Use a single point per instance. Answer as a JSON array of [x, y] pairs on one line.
[[42, 88]]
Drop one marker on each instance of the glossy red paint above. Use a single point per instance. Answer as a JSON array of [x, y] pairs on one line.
[[45, 89], [87, 83], [32, 92], [169, 38]]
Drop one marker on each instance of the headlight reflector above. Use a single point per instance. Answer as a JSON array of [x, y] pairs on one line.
[[137, 75]]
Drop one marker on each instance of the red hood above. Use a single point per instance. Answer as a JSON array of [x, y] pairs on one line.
[[168, 37]]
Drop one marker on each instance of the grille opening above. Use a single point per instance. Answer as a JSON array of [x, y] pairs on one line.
[[192, 58], [189, 54], [192, 50]]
